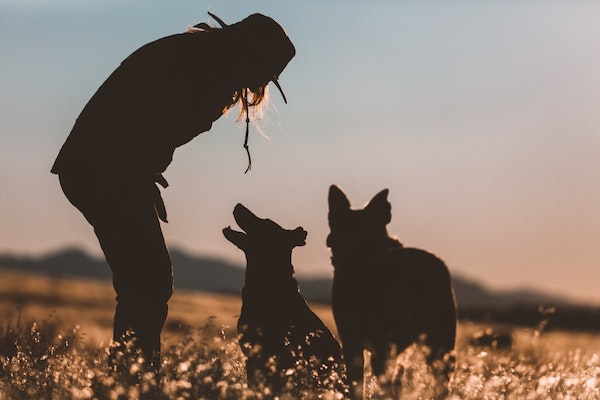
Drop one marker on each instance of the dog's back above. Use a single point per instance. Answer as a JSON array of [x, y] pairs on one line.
[[408, 294], [285, 343], [385, 295]]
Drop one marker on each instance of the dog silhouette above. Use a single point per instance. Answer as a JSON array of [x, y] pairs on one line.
[[287, 347], [386, 296]]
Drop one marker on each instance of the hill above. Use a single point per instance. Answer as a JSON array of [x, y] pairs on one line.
[[475, 301], [215, 275]]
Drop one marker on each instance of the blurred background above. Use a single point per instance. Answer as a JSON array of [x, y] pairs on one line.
[[481, 117]]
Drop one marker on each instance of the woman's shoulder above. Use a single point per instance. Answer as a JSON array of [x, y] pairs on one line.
[[177, 46]]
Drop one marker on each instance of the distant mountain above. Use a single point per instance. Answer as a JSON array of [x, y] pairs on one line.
[[196, 273], [215, 275], [475, 302]]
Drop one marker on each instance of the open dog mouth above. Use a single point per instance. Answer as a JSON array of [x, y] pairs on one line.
[[245, 220], [244, 217]]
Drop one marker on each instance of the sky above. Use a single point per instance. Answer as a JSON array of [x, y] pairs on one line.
[[481, 117]]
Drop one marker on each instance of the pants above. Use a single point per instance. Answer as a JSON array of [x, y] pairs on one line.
[[125, 221]]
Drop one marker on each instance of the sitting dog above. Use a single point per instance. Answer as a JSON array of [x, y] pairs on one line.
[[386, 296], [287, 347]]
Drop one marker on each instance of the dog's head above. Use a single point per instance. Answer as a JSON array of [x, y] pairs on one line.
[[350, 227], [262, 237]]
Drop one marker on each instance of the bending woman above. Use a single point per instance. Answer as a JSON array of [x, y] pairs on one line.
[[160, 97]]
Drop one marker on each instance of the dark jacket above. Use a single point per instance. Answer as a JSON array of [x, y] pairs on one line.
[[160, 97]]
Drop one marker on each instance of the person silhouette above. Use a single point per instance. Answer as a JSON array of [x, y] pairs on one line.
[[162, 96]]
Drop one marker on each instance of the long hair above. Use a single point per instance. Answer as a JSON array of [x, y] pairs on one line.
[[246, 98]]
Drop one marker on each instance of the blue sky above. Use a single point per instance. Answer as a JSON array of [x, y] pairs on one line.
[[481, 117]]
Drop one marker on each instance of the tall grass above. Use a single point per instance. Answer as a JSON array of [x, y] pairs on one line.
[[43, 361]]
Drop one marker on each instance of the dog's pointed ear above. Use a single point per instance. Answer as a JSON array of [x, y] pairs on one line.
[[235, 237], [299, 236], [337, 199], [380, 206]]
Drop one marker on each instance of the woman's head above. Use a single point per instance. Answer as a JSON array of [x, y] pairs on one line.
[[267, 49], [263, 50]]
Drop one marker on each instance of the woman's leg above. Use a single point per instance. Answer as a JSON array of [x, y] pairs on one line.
[[142, 276], [127, 227]]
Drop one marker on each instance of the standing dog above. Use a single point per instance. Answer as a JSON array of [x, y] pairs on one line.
[[386, 296], [288, 348]]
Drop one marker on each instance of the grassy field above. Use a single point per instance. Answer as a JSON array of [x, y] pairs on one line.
[[55, 333]]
